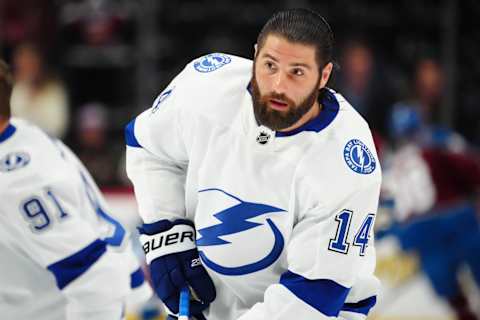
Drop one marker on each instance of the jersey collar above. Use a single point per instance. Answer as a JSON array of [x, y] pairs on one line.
[[324, 119], [7, 133]]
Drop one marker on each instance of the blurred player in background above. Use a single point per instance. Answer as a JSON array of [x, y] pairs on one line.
[[258, 185], [434, 181], [63, 256]]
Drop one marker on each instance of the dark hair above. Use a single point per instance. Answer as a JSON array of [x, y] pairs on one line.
[[301, 26], [6, 84]]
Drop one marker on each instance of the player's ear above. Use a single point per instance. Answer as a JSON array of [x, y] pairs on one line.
[[326, 72], [255, 49]]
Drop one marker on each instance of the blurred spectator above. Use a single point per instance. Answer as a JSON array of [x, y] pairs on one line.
[[26, 20], [364, 85], [434, 187], [38, 96], [425, 102], [93, 145], [97, 22], [429, 87]]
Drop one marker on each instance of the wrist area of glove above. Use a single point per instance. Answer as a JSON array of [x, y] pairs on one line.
[[166, 237], [192, 317]]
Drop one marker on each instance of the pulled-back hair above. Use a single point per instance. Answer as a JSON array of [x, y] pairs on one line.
[[6, 84], [302, 26]]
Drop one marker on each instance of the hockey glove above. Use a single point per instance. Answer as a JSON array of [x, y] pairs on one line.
[[199, 316], [173, 258]]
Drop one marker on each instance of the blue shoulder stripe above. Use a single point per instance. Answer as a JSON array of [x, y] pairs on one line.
[[7, 133], [362, 307], [137, 278], [326, 296], [130, 138], [72, 267]]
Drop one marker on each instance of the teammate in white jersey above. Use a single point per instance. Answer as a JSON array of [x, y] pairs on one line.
[[258, 186], [62, 256]]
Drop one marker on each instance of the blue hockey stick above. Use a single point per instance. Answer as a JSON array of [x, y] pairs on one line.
[[184, 305]]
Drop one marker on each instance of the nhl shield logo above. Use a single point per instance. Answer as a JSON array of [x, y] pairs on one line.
[[358, 157], [263, 137], [211, 62]]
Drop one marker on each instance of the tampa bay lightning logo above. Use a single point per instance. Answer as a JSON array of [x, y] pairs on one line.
[[358, 157], [14, 161], [162, 97], [211, 62], [234, 220]]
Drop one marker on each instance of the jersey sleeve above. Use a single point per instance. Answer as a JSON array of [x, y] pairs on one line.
[[330, 254], [157, 159], [52, 222], [159, 141], [112, 231]]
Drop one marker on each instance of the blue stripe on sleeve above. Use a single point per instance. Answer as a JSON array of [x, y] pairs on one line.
[[326, 296], [130, 138], [137, 278], [72, 267], [116, 239], [362, 307], [119, 232]]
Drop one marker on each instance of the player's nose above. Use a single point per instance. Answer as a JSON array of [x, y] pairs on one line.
[[280, 82]]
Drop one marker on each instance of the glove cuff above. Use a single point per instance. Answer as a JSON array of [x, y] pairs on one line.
[[179, 237], [161, 226]]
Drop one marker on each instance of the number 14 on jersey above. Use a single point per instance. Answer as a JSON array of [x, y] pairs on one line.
[[361, 239]]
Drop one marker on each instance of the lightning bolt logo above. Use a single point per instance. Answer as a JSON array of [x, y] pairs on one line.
[[361, 158], [211, 62], [235, 220], [358, 157]]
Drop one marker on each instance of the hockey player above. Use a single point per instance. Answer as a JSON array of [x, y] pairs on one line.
[[434, 180], [63, 257], [258, 186]]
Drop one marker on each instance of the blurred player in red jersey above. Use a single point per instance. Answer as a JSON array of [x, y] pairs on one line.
[[434, 179]]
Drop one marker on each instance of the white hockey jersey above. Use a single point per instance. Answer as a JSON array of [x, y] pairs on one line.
[[62, 256], [284, 220]]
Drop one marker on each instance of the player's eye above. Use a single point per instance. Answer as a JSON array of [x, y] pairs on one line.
[[270, 66], [298, 72]]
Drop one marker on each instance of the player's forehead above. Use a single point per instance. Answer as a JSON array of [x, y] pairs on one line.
[[282, 50]]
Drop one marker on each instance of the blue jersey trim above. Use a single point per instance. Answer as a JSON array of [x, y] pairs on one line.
[[326, 296], [8, 132], [72, 267], [119, 232], [362, 307], [327, 115], [161, 226], [137, 278], [116, 239], [130, 138]]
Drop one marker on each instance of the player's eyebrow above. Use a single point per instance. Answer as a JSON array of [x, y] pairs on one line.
[[299, 64], [295, 64], [266, 55]]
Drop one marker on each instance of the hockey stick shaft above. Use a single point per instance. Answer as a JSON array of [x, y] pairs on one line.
[[184, 305]]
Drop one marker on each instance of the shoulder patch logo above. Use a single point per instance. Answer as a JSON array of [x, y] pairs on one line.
[[358, 157], [14, 161], [211, 62]]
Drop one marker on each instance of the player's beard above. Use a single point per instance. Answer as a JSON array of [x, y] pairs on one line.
[[276, 119]]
